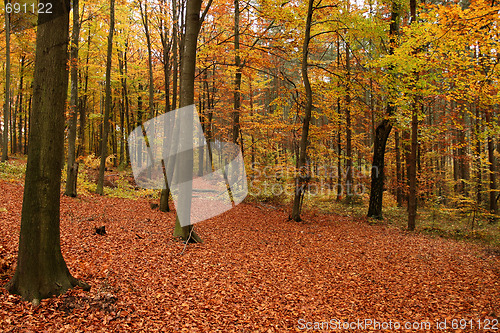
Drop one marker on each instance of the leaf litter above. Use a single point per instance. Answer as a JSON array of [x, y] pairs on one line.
[[255, 272]]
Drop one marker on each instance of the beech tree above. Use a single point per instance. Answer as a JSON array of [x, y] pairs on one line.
[[6, 106], [107, 103], [193, 23], [41, 270], [72, 165], [382, 134], [303, 173]]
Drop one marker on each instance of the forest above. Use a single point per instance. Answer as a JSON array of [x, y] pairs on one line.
[[355, 146]]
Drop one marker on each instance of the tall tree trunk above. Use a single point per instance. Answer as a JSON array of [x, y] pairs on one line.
[[237, 77], [81, 151], [41, 270], [107, 103], [348, 145], [6, 106], [175, 63], [165, 193], [303, 175], [193, 23], [72, 165], [479, 176], [145, 22], [339, 129], [20, 103], [412, 169], [399, 184], [122, 65], [381, 134], [493, 202], [412, 162]]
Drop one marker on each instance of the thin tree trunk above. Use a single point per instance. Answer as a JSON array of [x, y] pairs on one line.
[[165, 193], [399, 191], [145, 22], [412, 162], [107, 103], [493, 202], [348, 149], [303, 175], [72, 165], [81, 151], [237, 78], [6, 106]]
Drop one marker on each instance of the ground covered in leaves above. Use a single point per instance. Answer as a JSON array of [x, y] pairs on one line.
[[256, 272]]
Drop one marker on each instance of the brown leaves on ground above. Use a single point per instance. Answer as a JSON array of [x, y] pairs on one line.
[[256, 271]]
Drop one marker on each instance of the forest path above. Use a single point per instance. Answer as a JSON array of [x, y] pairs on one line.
[[256, 271]]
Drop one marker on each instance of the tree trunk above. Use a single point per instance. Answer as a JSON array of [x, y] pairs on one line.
[[83, 107], [107, 103], [6, 106], [165, 193], [20, 105], [41, 270], [302, 175], [339, 129], [175, 63], [412, 161], [145, 22], [412, 169], [193, 23], [381, 134], [493, 202], [399, 191], [72, 165], [348, 145], [237, 78]]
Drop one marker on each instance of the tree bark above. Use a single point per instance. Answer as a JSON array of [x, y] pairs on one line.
[[145, 23], [302, 175], [399, 191], [348, 145], [193, 23], [72, 165], [107, 103], [493, 202], [381, 134], [6, 106], [412, 162], [41, 270], [237, 77]]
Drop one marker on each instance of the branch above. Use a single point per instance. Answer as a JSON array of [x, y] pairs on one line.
[[205, 11]]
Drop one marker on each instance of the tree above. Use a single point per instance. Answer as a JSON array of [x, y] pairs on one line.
[[72, 165], [107, 103], [382, 134], [6, 106], [193, 24], [302, 175], [412, 163], [41, 270], [237, 77]]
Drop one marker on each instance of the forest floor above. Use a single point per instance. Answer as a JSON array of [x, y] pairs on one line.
[[255, 272]]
